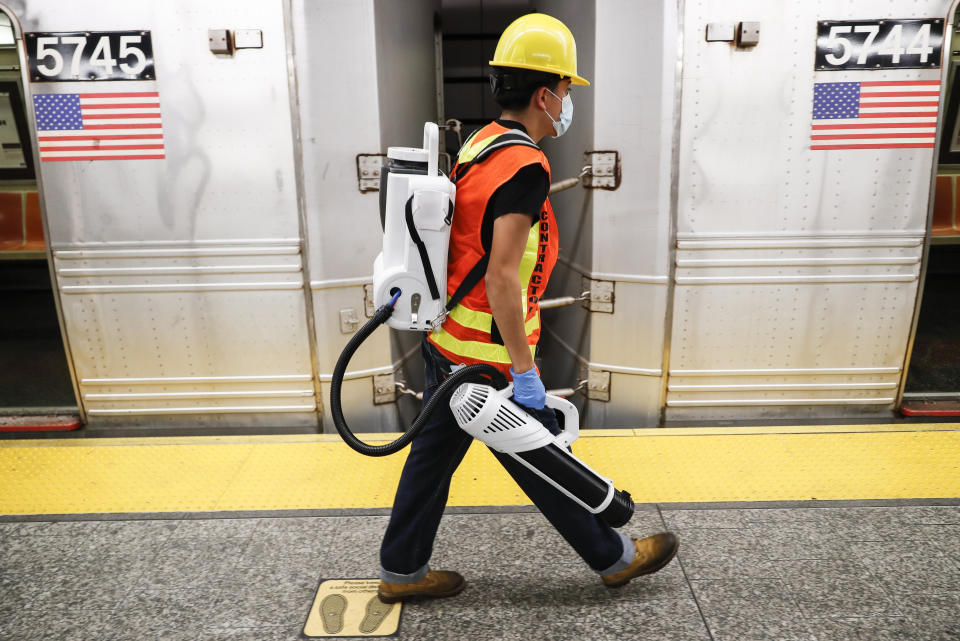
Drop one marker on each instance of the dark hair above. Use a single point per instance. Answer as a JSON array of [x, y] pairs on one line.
[[512, 88]]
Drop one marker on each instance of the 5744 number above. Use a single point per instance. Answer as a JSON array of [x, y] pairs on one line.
[[879, 44], [87, 55]]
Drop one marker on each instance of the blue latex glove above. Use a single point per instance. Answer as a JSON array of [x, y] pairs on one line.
[[528, 389]]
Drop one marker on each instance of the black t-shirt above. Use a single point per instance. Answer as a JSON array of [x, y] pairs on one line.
[[525, 193]]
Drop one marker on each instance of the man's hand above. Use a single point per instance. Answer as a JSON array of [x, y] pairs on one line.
[[528, 389]]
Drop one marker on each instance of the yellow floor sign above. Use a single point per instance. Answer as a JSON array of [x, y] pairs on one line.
[[350, 608]]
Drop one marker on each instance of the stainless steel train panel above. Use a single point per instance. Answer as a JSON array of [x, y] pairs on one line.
[[180, 279], [796, 269], [372, 359], [164, 329], [631, 354], [631, 227], [365, 81]]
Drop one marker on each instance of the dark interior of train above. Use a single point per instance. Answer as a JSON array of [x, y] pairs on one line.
[[33, 367], [34, 377], [935, 364], [933, 378]]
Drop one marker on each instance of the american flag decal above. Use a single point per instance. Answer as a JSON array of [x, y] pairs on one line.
[[99, 126], [875, 115]]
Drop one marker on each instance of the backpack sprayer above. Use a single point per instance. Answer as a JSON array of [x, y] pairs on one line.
[[409, 290]]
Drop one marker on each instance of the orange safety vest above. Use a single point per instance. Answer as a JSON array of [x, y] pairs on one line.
[[488, 159]]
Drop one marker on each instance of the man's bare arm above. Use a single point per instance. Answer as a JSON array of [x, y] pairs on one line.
[[504, 290]]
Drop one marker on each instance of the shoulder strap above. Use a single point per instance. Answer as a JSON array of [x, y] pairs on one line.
[[506, 139], [470, 155], [422, 248], [474, 276]]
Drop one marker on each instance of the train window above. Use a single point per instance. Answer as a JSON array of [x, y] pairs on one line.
[[950, 127], [16, 160], [950, 133], [6, 31]]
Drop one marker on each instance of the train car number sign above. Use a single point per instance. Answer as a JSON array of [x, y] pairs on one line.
[[90, 55], [879, 44]]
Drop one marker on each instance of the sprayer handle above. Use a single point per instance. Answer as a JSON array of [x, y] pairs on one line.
[[431, 142], [571, 419]]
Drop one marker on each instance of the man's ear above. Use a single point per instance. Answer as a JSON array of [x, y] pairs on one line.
[[538, 99]]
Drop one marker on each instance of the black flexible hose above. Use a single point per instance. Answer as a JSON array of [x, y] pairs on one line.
[[481, 373]]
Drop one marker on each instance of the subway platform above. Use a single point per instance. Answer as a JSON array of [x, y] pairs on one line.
[[814, 533]]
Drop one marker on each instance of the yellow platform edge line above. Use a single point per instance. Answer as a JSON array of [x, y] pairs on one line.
[[379, 438], [81, 476]]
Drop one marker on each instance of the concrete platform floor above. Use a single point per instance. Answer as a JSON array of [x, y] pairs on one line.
[[743, 572]]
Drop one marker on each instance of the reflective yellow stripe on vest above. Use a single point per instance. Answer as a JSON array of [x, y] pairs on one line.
[[488, 352], [483, 321], [529, 262], [472, 148]]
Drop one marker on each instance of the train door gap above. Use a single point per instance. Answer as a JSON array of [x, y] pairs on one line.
[[933, 378], [35, 387], [465, 38], [468, 34]]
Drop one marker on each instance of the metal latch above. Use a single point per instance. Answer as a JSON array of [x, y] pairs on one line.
[[721, 32], [748, 34], [601, 295], [598, 385], [220, 41], [368, 171], [248, 39], [604, 170], [225, 41], [384, 389]]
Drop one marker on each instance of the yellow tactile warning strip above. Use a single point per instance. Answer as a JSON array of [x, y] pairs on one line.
[[170, 474], [350, 608]]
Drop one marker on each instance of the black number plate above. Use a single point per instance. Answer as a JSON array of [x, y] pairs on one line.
[[90, 55], [879, 44]]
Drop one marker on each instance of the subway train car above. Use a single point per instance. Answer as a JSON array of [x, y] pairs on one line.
[[757, 201]]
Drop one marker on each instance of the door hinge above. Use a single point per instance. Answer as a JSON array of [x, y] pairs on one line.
[[601, 296], [384, 389], [598, 385], [602, 171], [368, 171]]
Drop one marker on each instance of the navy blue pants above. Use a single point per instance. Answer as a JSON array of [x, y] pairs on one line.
[[425, 483]]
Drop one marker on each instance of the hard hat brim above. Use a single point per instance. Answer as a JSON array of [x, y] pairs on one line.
[[574, 79]]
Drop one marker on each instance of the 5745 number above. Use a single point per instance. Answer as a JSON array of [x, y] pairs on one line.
[[78, 56]]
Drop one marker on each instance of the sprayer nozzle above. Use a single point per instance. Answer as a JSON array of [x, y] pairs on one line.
[[620, 510]]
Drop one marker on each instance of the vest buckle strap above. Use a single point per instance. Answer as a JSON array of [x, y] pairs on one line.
[[439, 320]]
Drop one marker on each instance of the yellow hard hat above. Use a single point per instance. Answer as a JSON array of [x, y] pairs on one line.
[[539, 42]]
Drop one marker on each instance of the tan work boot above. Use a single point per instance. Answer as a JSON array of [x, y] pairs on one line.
[[437, 583], [653, 554]]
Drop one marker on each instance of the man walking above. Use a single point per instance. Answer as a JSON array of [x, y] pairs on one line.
[[503, 246]]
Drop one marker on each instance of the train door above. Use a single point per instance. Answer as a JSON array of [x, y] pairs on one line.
[[802, 203], [35, 383], [933, 378], [167, 172]]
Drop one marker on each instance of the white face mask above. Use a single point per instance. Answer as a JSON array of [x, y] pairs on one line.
[[566, 114]]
